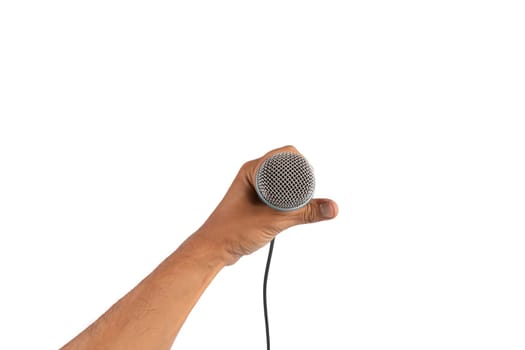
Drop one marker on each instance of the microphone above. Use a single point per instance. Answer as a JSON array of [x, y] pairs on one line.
[[285, 181]]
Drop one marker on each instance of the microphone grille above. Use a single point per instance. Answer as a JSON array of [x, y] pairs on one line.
[[285, 181]]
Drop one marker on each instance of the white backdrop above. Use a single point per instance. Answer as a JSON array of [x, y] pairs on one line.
[[122, 124]]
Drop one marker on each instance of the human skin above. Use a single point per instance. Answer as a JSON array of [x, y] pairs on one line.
[[151, 314]]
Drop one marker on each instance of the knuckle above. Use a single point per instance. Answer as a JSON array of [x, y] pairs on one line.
[[309, 214], [290, 148]]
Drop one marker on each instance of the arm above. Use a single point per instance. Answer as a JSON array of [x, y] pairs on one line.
[[152, 313]]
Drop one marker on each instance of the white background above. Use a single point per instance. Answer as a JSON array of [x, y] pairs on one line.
[[122, 124]]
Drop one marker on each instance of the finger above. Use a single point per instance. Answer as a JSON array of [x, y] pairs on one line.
[[251, 167], [318, 209], [287, 148]]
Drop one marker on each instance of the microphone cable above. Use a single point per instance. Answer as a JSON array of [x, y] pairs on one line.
[[266, 271]]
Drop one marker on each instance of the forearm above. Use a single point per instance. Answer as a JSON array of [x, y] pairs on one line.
[[151, 314]]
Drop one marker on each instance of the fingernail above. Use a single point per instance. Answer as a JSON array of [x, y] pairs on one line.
[[326, 210]]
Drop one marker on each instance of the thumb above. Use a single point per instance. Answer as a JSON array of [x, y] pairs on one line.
[[318, 209]]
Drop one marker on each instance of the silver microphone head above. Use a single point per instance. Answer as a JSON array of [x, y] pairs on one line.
[[285, 181]]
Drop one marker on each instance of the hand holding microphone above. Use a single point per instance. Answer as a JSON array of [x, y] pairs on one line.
[[268, 195]]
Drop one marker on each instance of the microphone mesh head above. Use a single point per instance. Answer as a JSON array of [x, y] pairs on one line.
[[285, 181]]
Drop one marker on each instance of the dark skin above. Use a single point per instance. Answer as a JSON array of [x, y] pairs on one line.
[[151, 314]]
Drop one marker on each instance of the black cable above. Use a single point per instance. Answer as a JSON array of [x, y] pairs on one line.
[[264, 294]]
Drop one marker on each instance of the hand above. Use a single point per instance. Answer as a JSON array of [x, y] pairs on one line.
[[242, 223]]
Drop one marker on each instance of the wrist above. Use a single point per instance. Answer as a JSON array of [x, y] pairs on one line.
[[217, 247], [199, 248]]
